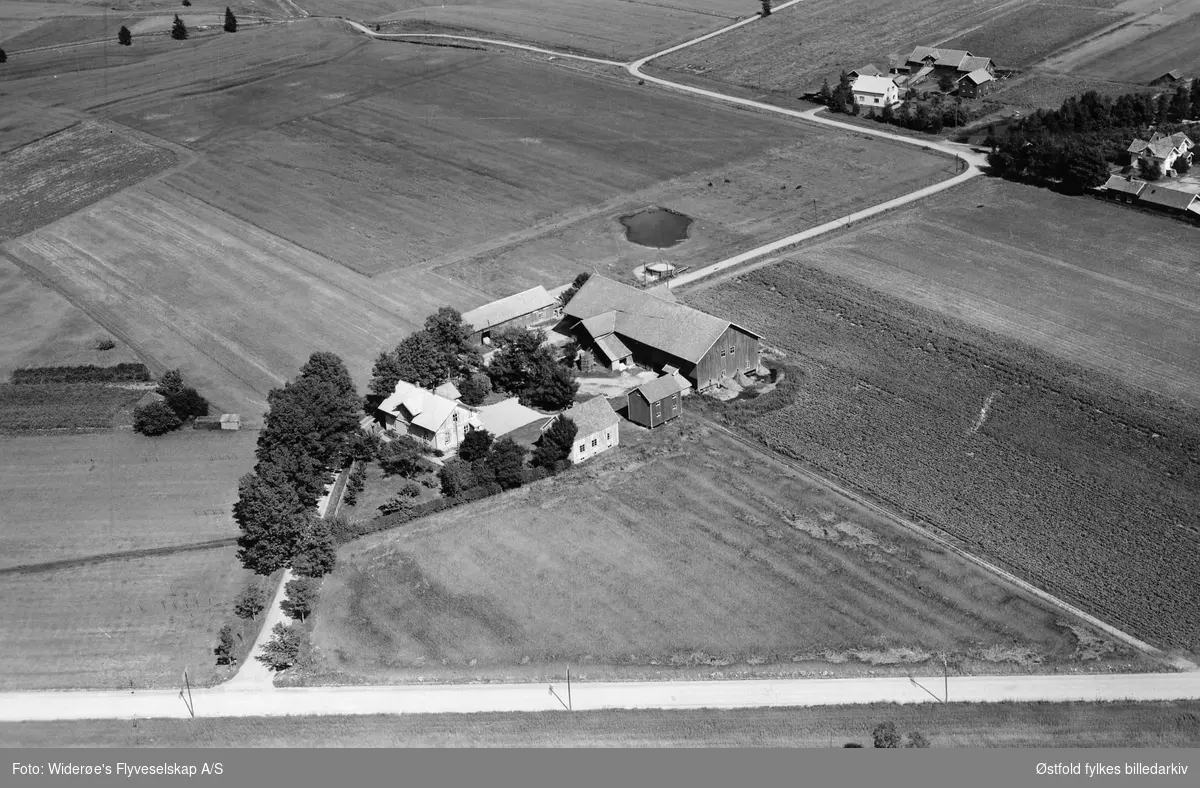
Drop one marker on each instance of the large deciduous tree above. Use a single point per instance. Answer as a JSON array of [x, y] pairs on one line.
[[268, 513], [525, 367], [507, 461], [475, 445], [157, 418], [553, 450]]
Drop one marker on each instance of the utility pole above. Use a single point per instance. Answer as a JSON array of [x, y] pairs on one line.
[[569, 706], [946, 676]]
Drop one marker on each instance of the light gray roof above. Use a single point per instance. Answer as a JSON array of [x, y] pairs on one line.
[[1167, 197], [875, 86], [600, 325], [978, 76], [592, 416], [975, 63], [509, 308], [659, 388], [1119, 183], [868, 70], [613, 347], [673, 328], [150, 397]]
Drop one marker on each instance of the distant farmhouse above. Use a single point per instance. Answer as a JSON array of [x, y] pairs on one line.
[[598, 428], [435, 420], [935, 62], [532, 308], [1162, 150], [621, 324], [874, 92], [1169, 78]]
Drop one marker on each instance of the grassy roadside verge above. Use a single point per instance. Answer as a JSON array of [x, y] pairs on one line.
[[1167, 724]]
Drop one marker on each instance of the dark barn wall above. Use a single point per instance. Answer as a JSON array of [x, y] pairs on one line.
[[714, 366]]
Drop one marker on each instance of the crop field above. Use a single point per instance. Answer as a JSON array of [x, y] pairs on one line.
[[73, 496], [1125, 724], [1030, 32], [433, 151], [67, 29], [1084, 485], [63, 406], [1041, 89], [62, 173], [1112, 289], [790, 52], [1173, 46], [25, 121], [677, 555], [813, 178], [105, 624], [38, 327], [240, 310]]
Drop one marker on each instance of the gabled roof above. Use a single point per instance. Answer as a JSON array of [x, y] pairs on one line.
[[1170, 76], [1119, 183], [1167, 197], [659, 388], [975, 63], [600, 325], [941, 57], [507, 415], [613, 347], [1160, 145], [448, 390], [509, 308], [979, 76], [149, 398], [868, 70], [876, 86], [421, 407], [673, 328], [592, 416]]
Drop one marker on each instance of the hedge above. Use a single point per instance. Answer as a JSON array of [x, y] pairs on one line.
[[88, 373]]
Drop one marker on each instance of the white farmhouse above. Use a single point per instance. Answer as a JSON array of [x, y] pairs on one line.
[[872, 91], [436, 421]]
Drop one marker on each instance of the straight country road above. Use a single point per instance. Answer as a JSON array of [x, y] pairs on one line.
[[587, 696]]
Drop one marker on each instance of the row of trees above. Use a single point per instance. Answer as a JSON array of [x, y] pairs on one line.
[[486, 466], [180, 403], [1092, 112], [310, 428], [179, 30], [443, 351]]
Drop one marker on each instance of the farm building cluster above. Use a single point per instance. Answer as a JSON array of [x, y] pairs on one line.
[[971, 76], [1165, 154], [616, 328]]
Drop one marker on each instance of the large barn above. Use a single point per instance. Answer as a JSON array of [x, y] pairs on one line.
[[619, 323], [528, 309]]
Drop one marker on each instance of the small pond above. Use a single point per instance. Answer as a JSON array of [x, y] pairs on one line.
[[656, 227]]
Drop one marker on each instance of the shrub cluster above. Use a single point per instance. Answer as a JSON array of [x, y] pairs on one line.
[[180, 404]]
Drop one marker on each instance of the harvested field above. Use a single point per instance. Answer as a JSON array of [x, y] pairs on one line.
[[73, 496], [790, 52], [1046, 90], [954, 725], [67, 30], [63, 406], [489, 144], [237, 308], [103, 625], [1029, 33], [25, 122], [1082, 484], [66, 171], [38, 327], [1106, 287], [679, 554]]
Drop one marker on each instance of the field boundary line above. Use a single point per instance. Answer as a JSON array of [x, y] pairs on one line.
[[495, 42], [946, 542], [127, 555]]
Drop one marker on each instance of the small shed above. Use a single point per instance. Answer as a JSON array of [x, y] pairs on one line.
[[207, 423], [231, 421], [1169, 78], [656, 402]]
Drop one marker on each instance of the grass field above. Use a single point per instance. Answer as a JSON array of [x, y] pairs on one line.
[[1086, 486], [682, 554], [38, 327], [64, 406], [64, 172], [1028, 33], [25, 122], [952, 725], [72, 496], [1172, 47], [1041, 89], [101, 625], [1112, 289]]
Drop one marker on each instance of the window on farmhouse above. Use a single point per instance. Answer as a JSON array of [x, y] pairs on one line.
[[582, 448], [595, 441]]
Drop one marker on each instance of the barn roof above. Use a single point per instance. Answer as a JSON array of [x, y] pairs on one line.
[[509, 308], [1167, 197], [659, 388], [673, 328], [1119, 183], [878, 86], [868, 70], [448, 390], [978, 76], [974, 63], [592, 416], [424, 408], [600, 325]]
